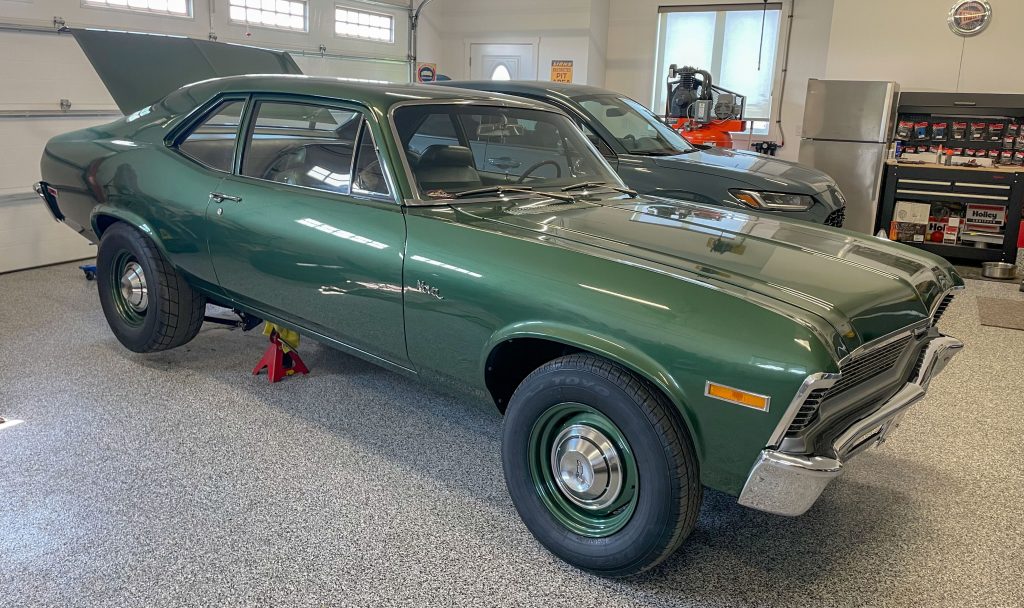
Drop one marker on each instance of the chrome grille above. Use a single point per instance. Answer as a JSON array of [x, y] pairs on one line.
[[854, 373], [943, 305], [808, 411], [836, 218], [869, 365]]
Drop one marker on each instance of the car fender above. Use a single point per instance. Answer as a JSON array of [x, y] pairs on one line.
[[123, 215], [612, 348]]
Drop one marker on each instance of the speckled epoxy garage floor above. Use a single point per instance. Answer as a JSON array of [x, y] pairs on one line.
[[179, 479]]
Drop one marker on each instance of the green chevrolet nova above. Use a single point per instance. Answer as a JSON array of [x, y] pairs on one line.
[[639, 348]]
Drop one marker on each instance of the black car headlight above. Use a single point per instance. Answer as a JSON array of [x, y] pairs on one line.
[[773, 201]]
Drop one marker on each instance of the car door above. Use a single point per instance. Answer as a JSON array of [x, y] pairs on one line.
[[203, 155], [308, 229]]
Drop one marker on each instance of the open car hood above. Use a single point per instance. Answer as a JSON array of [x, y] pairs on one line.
[[140, 69], [864, 287]]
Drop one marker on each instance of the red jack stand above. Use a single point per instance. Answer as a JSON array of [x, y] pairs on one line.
[[273, 360]]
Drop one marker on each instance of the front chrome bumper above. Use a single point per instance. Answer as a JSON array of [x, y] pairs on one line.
[[788, 484]]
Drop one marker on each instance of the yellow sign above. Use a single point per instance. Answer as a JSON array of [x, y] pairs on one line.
[[561, 70]]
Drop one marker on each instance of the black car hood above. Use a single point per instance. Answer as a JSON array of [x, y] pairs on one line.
[[759, 171]]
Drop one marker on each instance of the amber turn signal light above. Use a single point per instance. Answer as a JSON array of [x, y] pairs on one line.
[[734, 395]]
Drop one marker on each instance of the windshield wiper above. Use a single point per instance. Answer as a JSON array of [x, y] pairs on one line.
[[584, 185], [567, 198]]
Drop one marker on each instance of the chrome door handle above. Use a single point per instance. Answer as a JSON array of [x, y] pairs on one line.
[[504, 162], [217, 197]]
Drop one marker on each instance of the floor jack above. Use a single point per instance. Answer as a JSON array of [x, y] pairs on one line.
[[279, 363]]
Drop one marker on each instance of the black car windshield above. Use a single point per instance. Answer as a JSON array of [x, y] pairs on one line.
[[453, 148], [634, 126]]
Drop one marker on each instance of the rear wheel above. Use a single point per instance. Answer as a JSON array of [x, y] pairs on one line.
[[600, 466], [148, 304]]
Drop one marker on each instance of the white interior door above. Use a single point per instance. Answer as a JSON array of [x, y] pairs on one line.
[[503, 62]]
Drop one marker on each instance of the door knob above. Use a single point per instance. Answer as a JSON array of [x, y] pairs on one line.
[[217, 197]]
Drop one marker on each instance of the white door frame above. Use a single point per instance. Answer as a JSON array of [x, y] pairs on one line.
[[467, 49]]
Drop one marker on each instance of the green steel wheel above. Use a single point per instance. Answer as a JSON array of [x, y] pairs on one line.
[[600, 465], [148, 304], [583, 469]]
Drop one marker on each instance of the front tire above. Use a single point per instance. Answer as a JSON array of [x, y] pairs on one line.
[[148, 304], [600, 466]]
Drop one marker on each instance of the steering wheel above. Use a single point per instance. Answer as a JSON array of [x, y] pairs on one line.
[[535, 166]]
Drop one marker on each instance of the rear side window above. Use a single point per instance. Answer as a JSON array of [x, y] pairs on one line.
[[303, 145], [212, 143]]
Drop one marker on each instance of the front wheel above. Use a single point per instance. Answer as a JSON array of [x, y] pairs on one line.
[[148, 304], [600, 466]]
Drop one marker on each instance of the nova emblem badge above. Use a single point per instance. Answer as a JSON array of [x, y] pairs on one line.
[[580, 477], [427, 289]]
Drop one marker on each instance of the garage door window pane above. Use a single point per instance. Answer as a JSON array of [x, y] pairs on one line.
[[181, 8], [212, 143], [278, 14], [352, 23]]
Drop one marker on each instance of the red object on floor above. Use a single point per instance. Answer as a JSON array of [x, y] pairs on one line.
[[273, 360], [1020, 236]]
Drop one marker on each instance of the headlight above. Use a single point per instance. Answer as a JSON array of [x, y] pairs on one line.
[[773, 201]]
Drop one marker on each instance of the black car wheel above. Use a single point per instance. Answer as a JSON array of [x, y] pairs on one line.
[[600, 466], [148, 304]]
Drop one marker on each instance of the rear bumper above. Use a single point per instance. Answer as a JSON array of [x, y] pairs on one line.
[[788, 484]]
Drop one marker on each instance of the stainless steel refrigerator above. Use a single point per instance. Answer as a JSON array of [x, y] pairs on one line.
[[848, 127]]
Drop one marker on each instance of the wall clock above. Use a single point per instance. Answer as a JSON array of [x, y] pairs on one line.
[[969, 17]]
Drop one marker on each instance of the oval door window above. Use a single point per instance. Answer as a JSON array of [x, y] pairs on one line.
[[501, 73]]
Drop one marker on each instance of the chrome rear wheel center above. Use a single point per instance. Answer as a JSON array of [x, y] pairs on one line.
[[586, 467], [133, 287]]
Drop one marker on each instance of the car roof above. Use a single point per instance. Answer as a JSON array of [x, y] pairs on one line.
[[535, 87], [377, 95]]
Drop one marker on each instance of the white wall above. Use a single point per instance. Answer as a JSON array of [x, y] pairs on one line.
[[561, 29], [39, 69], [911, 44]]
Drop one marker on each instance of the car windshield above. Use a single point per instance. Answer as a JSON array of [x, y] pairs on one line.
[[634, 126], [453, 148]]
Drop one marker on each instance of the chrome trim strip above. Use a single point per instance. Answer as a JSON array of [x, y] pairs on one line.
[[707, 393], [882, 341], [811, 383], [883, 417]]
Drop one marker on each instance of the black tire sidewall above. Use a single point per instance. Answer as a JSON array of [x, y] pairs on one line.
[[648, 532], [118, 239]]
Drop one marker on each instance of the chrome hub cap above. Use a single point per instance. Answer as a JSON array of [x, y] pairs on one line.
[[586, 467], [133, 287]]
